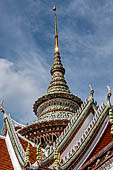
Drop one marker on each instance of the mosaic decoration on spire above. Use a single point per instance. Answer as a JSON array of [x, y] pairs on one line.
[[58, 83]]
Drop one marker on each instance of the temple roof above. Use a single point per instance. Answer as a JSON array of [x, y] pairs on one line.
[[102, 159], [72, 151], [106, 138], [95, 135]]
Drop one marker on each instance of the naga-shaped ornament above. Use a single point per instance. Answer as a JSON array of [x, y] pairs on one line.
[[108, 96], [91, 92]]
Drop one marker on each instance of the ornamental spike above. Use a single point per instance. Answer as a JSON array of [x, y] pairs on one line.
[[57, 159], [108, 96], [39, 154], [56, 34], [27, 154]]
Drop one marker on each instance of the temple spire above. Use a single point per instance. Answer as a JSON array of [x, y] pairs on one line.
[[56, 33], [58, 89], [58, 83]]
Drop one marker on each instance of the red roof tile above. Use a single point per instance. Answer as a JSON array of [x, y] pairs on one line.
[[5, 161], [104, 141], [18, 128]]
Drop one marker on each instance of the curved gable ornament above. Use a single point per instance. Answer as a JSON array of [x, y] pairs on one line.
[[108, 96]]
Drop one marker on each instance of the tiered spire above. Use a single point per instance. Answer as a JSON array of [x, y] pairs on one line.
[[58, 88], [58, 83]]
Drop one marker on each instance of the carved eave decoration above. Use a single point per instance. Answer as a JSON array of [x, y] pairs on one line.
[[36, 126]]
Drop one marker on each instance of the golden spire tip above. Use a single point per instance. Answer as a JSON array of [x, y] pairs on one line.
[[56, 34], [54, 8]]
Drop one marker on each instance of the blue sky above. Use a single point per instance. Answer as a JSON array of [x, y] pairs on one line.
[[85, 31]]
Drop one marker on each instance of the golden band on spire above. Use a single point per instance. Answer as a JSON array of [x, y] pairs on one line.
[[56, 34]]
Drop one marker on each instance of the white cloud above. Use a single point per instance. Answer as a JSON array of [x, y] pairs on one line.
[[24, 75], [20, 89], [26, 38]]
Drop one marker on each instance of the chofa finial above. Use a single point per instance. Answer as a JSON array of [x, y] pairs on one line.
[[2, 109], [108, 96], [1, 106], [91, 92]]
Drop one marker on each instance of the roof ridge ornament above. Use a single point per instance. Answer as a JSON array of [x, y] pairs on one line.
[[27, 154], [91, 92], [108, 96], [39, 154], [2, 109], [57, 159], [1, 106]]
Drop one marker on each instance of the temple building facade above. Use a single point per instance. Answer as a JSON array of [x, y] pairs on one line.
[[68, 134]]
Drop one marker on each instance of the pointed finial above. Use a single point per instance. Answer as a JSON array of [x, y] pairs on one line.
[[39, 154], [108, 96], [27, 161], [91, 92], [57, 159], [54, 8], [56, 34]]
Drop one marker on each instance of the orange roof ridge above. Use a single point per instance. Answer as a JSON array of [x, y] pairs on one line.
[[2, 137]]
